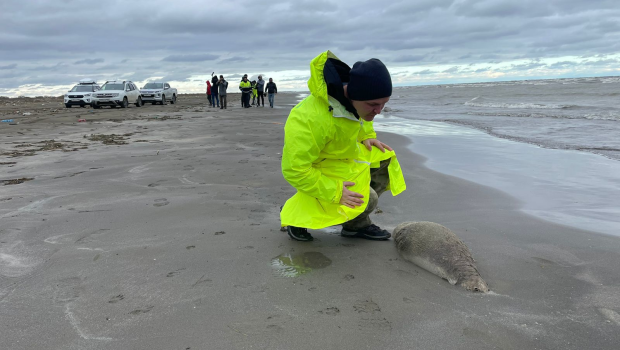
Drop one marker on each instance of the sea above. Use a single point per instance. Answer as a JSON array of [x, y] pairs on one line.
[[552, 144]]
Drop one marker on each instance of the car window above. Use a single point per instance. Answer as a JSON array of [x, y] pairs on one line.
[[167, 86], [112, 86], [154, 86]]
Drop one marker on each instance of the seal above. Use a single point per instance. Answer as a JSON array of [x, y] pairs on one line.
[[439, 251]]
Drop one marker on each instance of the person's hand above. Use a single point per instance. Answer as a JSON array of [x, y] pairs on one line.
[[349, 198], [374, 142]]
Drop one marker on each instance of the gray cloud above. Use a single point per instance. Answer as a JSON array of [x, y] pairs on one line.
[[190, 58], [409, 58], [183, 40], [452, 70], [234, 59], [425, 72], [89, 61]]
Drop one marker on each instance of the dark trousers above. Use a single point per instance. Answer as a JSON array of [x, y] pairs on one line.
[[246, 99], [259, 97], [223, 101], [215, 99], [209, 98], [379, 180]]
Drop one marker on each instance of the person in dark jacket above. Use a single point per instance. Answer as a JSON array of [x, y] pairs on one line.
[[271, 90], [214, 91], [222, 86], [260, 90]]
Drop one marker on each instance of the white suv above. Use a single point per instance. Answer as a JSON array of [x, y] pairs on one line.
[[117, 93], [80, 95]]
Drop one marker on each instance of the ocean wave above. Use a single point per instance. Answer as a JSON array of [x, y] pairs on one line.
[[605, 151], [590, 116], [480, 102]]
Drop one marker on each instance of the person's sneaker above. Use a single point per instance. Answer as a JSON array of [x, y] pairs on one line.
[[299, 234], [372, 232]]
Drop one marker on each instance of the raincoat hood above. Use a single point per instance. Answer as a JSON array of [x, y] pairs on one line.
[[328, 75]]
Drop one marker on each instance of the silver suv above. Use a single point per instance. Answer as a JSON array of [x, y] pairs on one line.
[[117, 93]]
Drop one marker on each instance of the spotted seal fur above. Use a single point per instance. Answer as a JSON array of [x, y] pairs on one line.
[[438, 250]]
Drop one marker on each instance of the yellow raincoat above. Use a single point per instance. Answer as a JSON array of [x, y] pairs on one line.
[[322, 149], [254, 90]]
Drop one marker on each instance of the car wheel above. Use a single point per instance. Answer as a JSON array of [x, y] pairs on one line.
[[139, 102], [153, 103], [125, 103], [163, 99], [67, 105], [174, 99], [96, 106]]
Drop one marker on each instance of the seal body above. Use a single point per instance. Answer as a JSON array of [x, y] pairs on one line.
[[438, 250]]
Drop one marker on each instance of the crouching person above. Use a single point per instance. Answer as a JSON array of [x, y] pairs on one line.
[[331, 153]]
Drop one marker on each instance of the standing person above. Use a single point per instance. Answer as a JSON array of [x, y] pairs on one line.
[[260, 88], [254, 93], [338, 181], [271, 90], [222, 86], [214, 91], [209, 92], [242, 96], [246, 89]]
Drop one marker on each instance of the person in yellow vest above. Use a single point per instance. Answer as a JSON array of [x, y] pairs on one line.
[[246, 89], [331, 153]]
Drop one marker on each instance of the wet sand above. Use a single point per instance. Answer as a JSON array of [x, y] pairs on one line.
[[167, 237]]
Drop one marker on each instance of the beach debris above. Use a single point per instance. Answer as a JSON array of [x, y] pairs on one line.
[[439, 251], [7, 120], [17, 181], [30, 149], [111, 139], [81, 120], [26, 113]]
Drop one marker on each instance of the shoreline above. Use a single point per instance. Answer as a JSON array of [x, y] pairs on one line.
[[172, 241], [560, 186]]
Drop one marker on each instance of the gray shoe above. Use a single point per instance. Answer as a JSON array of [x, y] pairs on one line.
[[372, 232]]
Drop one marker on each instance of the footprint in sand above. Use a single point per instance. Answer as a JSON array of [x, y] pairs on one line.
[[171, 274], [116, 299], [67, 289], [161, 202], [371, 317], [331, 311], [142, 311]]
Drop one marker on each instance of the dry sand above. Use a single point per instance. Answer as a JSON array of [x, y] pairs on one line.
[[166, 236]]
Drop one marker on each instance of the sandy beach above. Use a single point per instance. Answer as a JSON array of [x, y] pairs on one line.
[[166, 236]]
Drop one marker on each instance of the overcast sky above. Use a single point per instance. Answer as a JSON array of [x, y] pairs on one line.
[[48, 45]]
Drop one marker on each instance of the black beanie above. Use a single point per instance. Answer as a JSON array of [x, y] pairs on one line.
[[369, 80]]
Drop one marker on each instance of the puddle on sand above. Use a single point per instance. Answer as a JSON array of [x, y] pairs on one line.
[[295, 264]]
